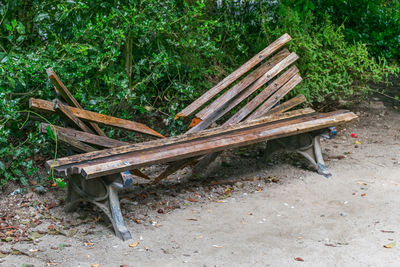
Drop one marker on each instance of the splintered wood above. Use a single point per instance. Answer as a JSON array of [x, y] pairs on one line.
[[43, 105], [100, 163]]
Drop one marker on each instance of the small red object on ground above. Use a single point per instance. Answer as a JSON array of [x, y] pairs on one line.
[[354, 135]]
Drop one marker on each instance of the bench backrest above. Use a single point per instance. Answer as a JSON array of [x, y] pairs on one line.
[[269, 76]]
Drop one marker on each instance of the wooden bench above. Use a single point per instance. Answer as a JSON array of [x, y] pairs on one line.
[[245, 108]]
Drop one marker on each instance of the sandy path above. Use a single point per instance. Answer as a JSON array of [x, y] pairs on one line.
[[343, 221]]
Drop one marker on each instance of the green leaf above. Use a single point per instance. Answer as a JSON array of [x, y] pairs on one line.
[[24, 181], [60, 183], [2, 166], [21, 28], [50, 133], [14, 23], [41, 17]]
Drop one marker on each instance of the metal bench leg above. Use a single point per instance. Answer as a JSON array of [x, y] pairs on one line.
[[101, 194], [314, 155], [308, 145]]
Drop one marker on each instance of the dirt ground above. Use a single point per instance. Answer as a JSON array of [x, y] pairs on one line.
[[245, 213]]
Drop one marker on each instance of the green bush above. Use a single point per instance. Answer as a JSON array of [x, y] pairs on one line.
[[331, 67]]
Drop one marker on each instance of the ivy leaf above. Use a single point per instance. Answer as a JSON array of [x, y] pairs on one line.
[[41, 17], [2, 166], [21, 28]]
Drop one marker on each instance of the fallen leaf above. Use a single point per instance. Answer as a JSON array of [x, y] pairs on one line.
[[73, 232], [363, 194], [358, 143], [95, 265], [193, 200], [52, 205], [35, 235], [386, 231], [133, 245], [217, 246], [390, 245], [298, 259], [2, 255], [51, 264], [192, 219]]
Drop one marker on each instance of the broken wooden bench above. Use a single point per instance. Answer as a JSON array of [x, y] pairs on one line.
[[246, 108], [84, 170]]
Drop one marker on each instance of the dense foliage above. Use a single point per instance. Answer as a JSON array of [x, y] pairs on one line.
[[146, 60]]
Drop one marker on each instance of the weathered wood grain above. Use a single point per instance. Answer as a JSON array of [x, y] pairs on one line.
[[110, 165], [217, 106], [278, 95], [75, 144], [157, 143], [76, 138], [262, 96], [199, 124], [43, 105], [67, 96], [214, 138], [66, 113], [84, 137], [207, 159], [269, 50], [232, 92], [291, 103]]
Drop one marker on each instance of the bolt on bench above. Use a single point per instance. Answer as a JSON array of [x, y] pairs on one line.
[[98, 175]]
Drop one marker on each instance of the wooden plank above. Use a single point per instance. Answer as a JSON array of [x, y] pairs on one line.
[[232, 92], [67, 96], [293, 102], [269, 50], [84, 137], [276, 97], [75, 144], [213, 137], [261, 97], [145, 146], [44, 105], [65, 112], [241, 85], [198, 147], [76, 138], [239, 116]]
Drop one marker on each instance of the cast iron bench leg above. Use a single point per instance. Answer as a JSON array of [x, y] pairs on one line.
[[103, 195], [308, 145]]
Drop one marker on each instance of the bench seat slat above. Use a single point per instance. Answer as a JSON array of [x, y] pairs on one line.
[[214, 140], [211, 144]]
